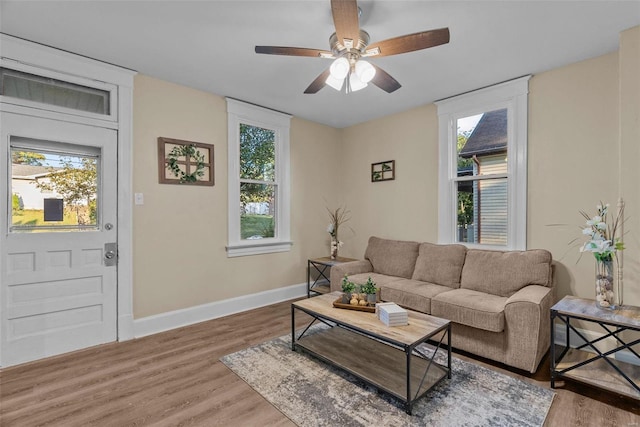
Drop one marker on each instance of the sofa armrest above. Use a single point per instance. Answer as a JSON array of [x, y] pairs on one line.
[[527, 323], [533, 294], [354, 267]]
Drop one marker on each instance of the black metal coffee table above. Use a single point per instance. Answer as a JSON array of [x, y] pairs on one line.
[[385, 357]]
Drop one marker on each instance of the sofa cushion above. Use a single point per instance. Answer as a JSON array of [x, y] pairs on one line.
[[472, 308], [412, 294], [504, 273], [378, 279], [392, 257], [440, 264]]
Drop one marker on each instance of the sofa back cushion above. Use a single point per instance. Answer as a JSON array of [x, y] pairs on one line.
[[440, 264], [392, 257], [505, 273]]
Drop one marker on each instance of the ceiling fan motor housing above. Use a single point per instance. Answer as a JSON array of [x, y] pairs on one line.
[[354, 51]]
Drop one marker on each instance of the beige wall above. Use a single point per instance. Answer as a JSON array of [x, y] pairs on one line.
[[573, 157], [574, 152], [629, 170], [180, 232], [583, 148], [405, 208]]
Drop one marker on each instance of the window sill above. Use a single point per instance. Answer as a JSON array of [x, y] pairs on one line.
[[489, 247], [257, 249]]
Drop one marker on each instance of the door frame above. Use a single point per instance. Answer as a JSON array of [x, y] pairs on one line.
[[25, 55]]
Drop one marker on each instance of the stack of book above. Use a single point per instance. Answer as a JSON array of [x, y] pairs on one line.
[[392, 314]]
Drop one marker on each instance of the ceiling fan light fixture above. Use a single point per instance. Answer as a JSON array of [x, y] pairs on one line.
[[365, 71], [335, 82], [340, 68], [355, 83]]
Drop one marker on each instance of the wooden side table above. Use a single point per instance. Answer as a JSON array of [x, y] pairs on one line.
[[594, 367], [322, 269]]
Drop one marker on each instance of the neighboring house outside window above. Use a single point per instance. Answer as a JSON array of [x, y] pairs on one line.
[[23, 183], [259, 187], [486, 198], [483, 167]]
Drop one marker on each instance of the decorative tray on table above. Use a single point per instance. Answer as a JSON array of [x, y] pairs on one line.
[[368, 308]]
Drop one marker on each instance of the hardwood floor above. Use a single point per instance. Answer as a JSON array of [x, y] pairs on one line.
[[175, 378]]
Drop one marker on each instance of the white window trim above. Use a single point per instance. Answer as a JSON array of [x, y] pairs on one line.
[[512, 95], [240, 112]]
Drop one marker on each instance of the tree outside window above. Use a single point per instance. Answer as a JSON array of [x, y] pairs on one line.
[[77, 182], [257, 182]]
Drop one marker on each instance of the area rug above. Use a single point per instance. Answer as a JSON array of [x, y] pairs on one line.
[[312, 393]]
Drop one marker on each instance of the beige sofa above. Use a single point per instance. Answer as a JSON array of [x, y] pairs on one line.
[[498, 302]]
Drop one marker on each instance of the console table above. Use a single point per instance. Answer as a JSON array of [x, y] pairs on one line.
[[318, 270], [594, 367]]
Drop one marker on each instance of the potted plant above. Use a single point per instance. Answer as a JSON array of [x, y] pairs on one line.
[[370, 289], [347, 287]]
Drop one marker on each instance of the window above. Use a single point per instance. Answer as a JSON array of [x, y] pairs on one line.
[[45, 90], [483, 167], [258, 180], [54, 186], [26, 86]]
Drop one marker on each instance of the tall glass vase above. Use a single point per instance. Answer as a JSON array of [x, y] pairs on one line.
[[334, 248], [607, 292]]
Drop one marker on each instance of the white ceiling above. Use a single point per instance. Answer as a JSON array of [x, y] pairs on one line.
[[209, 45]]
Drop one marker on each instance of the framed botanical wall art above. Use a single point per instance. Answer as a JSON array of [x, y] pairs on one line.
[[185, 162], [383, 171]]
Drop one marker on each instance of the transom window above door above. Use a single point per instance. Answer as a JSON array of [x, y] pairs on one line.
[[24, 86]]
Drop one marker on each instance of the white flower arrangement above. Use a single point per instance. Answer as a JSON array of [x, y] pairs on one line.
[[603, 240]]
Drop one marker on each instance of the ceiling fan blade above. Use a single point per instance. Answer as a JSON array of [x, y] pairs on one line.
[[409, 43], [345, 18], [294, 51], [318, 83], [384, 81]]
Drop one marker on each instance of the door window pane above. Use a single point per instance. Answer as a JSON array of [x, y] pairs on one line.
[[53, 191], [16, 84], [257, 211]]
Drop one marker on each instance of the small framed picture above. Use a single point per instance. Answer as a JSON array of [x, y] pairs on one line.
[[185, 162], [383, 171]]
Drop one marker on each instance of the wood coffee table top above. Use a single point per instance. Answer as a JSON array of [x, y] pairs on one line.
[[420, 327]]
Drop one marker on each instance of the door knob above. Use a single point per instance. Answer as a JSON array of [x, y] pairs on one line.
[[110, 254]]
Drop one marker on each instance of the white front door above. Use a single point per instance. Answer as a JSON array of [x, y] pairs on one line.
[[58, 291]]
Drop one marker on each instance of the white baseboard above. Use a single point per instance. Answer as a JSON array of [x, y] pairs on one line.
[[604, 345], [125, 327], [188, 316]]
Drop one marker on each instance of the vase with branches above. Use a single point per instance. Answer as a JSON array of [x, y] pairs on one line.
[[338, 217]]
